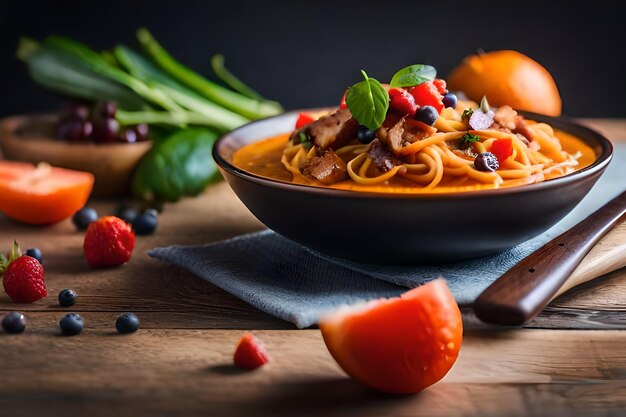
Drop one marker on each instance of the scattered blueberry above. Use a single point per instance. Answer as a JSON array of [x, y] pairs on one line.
[[487, 162], [83, 217], [35, 253], [14, 322], [427, 114], [127, 323], [72, 324], [126, 213], [449, 100], [145, 223], [151, 212], [364, 135], [67, 297]]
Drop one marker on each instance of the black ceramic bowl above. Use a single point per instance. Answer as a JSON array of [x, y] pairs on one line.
[[405, 229]]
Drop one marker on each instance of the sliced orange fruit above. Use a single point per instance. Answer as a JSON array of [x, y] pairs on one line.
[[399, 345], [42, 194], [507, 77]]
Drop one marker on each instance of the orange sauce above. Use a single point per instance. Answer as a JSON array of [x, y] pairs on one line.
[[263, 158]]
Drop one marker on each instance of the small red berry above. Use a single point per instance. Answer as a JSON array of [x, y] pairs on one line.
[[250, 353], [426, 94], [441, 85], [108, 242], [402, 102], [22, 277]]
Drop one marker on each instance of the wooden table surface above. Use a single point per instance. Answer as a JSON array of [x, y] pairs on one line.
[[179, 363]]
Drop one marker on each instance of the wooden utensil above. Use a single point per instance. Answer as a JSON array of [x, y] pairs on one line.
[[521, 293]]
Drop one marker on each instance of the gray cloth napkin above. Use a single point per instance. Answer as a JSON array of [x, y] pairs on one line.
[[296, 284]]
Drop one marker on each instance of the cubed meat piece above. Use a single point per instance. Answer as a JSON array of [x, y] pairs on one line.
[[326, 167], [398, 133], [506, 117], [329, 132], [382, 157]]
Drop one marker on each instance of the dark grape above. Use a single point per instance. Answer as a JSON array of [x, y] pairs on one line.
[[76, 111], [70, 130], [128, 136], [87, 130], [106, 130], [107, 109], [142, 131]]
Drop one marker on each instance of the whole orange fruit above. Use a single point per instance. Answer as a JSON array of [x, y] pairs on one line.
[[507, 77]]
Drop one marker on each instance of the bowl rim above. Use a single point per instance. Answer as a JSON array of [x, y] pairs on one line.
[[601, 162]]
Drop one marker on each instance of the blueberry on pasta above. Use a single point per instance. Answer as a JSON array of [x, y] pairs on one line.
[[487, 162]]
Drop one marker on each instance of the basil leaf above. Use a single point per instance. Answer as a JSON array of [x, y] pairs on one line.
[[368, 102], [413, 75]]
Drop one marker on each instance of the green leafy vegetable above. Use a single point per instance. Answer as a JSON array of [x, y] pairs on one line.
[[368, 102], [63, 73], [98, 65], [176, 166], [217, 62], [212, 114], [413, 75], [467, 113], [247, 107]]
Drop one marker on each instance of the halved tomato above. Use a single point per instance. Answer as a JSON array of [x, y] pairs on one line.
[[42, 194], [400, 345]]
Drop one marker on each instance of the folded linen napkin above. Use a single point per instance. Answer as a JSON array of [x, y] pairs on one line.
[[299, 285]]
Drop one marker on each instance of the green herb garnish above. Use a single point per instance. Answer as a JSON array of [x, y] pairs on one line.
[[413, 75], [467, 140], [467, 113], [303, 137], [368, 102]]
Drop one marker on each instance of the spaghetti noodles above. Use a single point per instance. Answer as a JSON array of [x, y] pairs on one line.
[[444, 157]]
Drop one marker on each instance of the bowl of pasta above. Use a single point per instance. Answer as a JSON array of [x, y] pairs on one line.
[[464, 181]]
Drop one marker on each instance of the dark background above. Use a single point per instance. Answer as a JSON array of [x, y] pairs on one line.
[[304, 53]]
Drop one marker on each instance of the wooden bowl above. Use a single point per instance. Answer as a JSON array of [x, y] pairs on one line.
[[30, 138]]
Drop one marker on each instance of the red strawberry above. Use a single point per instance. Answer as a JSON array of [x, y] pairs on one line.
[[22, 277], [108, 242], [250, 353], [402, 102]]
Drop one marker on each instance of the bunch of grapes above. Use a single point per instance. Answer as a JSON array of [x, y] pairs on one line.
[[79, 123]]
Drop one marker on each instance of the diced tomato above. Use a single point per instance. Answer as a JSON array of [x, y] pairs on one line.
[[42, 194], [343, 104], [402, 102], [250, 353], [502, 149], [303, 120], [426, 94], [441, 85], [399, 345]]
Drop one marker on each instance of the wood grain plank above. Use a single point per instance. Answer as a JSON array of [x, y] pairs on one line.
[[188, 372]]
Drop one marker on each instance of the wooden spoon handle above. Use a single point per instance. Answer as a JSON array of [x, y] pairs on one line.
[[521, 293]]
